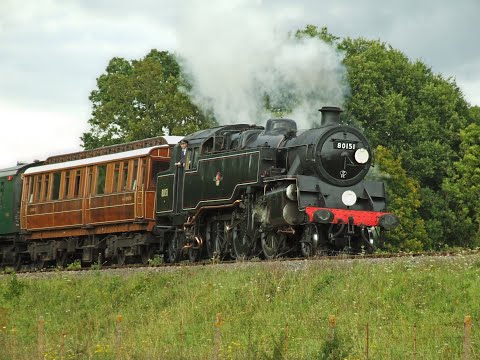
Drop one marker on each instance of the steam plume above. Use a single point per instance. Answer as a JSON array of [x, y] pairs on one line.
[[236, 54]]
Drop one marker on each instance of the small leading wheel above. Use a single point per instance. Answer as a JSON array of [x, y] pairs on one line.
[[271, 244], [240, 242]]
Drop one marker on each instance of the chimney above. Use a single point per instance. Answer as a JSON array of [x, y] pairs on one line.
[[330, 115]]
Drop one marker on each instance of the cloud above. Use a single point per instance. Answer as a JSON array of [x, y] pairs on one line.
[[51, 45], [44, 133]]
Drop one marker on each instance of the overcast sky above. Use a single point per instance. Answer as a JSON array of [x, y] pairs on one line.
[[52, 51]]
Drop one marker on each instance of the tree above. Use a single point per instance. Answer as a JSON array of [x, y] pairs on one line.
[[403, 195], [462, 189], [140, 99]]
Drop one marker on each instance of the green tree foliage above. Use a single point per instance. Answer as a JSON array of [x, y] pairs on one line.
[[139, 99], [462, 188], [404, 200]]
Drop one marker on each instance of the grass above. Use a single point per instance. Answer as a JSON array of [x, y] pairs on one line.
[[268, 311]]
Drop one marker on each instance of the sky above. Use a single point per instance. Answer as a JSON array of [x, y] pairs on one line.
[[52, 51]]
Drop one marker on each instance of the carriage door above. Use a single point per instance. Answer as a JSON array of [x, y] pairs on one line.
[[139, 188], [87, 197]]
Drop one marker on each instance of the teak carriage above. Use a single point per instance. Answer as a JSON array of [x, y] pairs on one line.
[[71, 205]]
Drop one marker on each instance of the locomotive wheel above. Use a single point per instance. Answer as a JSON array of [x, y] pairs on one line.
[[215, 239], [172, 252], [174, 249], [240, 242], [271, 243]]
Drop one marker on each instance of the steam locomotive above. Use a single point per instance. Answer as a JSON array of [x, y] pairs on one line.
[[239, 191], [247, 190]]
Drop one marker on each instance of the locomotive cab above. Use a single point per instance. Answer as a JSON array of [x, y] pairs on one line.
[[280, 126]]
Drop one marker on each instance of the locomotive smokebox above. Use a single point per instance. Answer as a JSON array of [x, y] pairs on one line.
[[330, 115]]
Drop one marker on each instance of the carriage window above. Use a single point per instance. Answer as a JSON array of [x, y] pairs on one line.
[[124, 180], [78, 177], [46, 181], [38, 180], [116, 176], [30, 189], [134, 176], [56, 185], [89, 180], [101, 175], [66, 184], [144, 171]]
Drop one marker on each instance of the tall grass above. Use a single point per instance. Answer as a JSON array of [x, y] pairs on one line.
[[268, 310]]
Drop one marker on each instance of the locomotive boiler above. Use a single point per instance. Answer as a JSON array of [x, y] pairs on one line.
[[248, 190]]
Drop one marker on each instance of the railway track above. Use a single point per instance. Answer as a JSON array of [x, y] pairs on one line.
[[213, 262]]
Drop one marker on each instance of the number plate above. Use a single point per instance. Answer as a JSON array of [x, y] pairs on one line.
[[344, 145]]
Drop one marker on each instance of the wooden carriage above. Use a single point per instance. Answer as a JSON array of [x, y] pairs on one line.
[[85, 195]]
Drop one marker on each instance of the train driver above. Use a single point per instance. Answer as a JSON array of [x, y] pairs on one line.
[[183, 155]]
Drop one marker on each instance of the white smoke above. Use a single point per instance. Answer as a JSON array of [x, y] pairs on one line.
[[235, 54]]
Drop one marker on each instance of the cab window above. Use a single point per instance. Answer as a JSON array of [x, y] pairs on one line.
[[196, 153]]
